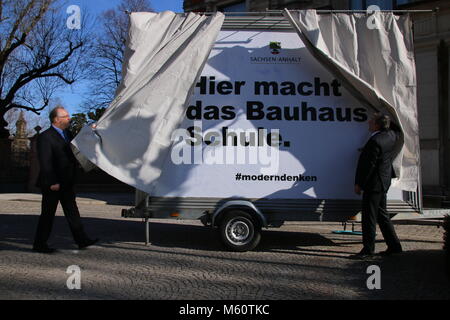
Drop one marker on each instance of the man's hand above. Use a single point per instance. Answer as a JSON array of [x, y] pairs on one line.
[[357, 189], [54, 187]]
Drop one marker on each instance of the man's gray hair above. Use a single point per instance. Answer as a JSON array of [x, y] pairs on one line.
[[54, 113], [382, 120]]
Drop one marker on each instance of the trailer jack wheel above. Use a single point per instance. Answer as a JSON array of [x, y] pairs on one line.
[[239, 232]]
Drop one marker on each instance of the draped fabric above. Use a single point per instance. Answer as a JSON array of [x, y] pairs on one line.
[[165, 55], [373, 57]]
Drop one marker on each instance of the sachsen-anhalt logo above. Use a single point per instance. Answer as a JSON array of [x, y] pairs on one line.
[[275, 47]]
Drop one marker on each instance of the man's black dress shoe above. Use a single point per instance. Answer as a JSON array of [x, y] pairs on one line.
[[389, 251], [87, 243], [363, 254], [44, 249]]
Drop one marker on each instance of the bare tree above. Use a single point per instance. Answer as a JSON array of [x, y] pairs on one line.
[[106, 67], [38, 54]]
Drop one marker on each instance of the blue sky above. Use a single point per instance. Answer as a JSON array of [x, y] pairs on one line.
[[72, 96], [97, 6]]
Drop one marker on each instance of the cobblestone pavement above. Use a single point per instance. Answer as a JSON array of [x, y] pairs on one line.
[[187, 261]]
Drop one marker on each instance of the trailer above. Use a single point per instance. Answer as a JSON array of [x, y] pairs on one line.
[[269, 135]]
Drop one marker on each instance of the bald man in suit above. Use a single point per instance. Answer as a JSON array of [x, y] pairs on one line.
[[56, 180], [373, 179]]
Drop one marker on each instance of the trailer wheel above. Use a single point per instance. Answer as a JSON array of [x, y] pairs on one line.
[[239, 232]]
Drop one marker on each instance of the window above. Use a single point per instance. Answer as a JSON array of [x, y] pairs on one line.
[[363, 4], [237, 7], [400, 2], [383, 4], [357, 5]]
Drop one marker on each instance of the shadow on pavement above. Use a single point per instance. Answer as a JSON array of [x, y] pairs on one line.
[[21, 229], [411, 275], [416, 274], [122, 199]]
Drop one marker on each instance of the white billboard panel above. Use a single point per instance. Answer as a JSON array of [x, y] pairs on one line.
[[266, 121]]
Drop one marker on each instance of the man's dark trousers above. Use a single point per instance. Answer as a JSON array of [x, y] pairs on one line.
[[373, 211], [373, 174], [50, 199]]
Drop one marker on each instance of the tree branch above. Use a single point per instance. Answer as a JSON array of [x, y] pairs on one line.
[[9, 45], [55, 75], [25, 78], [35, 110]]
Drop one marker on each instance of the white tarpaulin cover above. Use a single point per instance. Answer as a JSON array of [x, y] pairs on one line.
[[167, 52], [165, 55], [373, 57]]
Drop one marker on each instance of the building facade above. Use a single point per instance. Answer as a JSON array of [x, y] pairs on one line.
[[263, 5], [432, 40], [260, 5]]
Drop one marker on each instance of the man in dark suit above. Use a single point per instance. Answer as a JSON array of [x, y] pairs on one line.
[[373, 178], [56, 180]]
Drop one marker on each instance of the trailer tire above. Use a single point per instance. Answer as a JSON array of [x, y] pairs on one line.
[[239, 231]]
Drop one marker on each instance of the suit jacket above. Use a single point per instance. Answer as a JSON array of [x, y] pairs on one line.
[[56, 160], [374, 171]]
